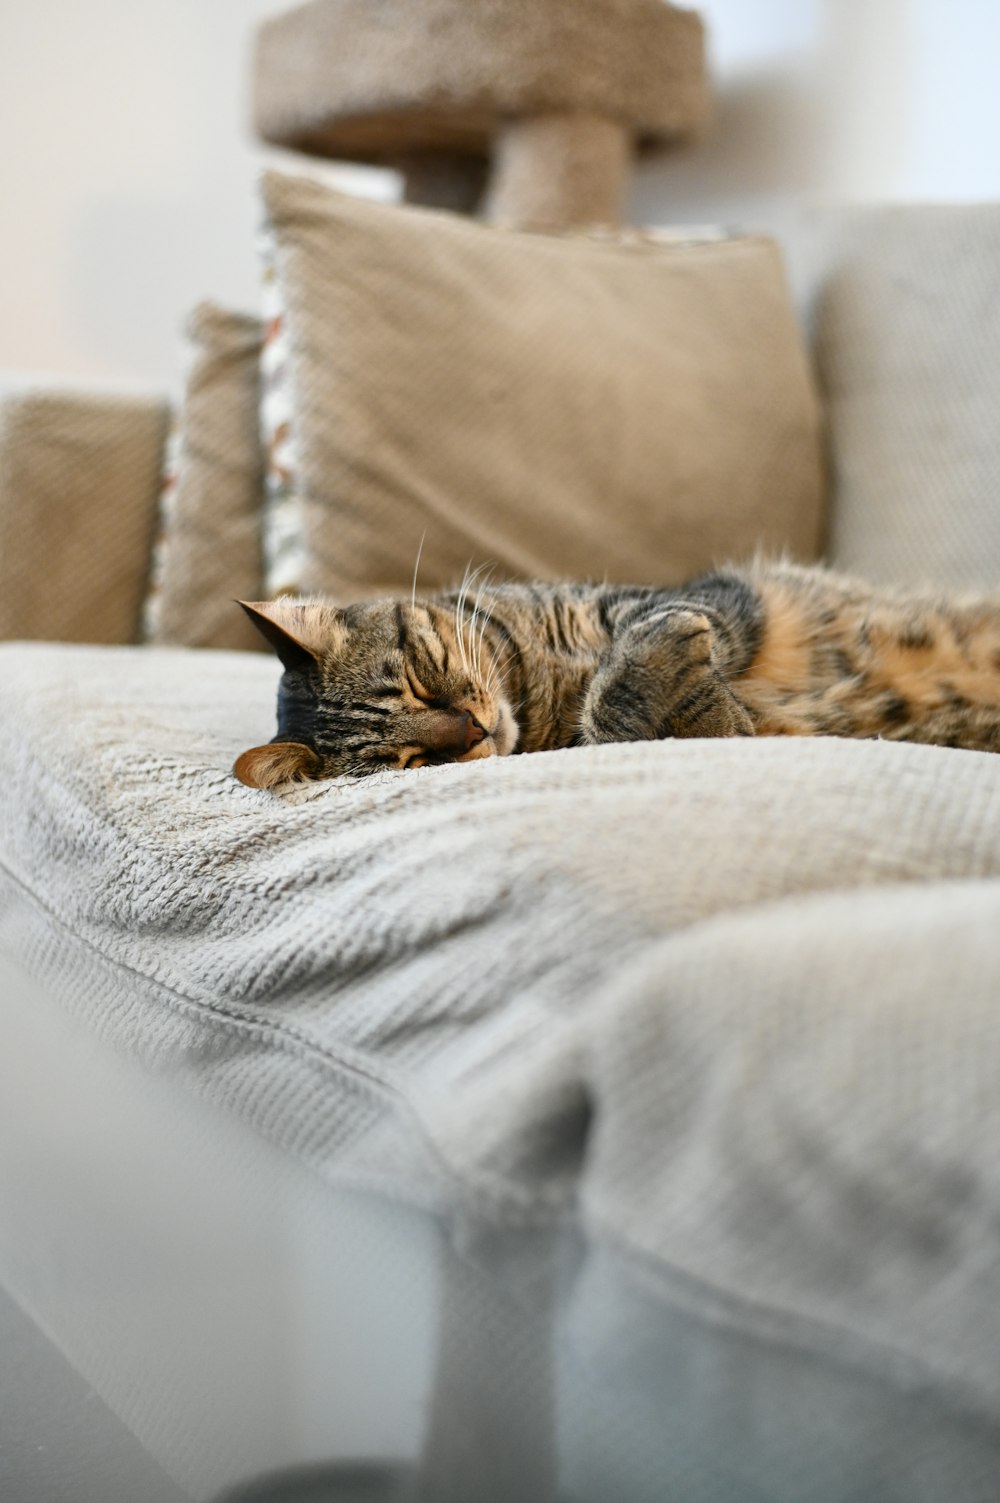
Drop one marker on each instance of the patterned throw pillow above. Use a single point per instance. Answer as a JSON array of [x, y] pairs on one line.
[[283, 541], [208, 549], [628, 407], [166, 522]]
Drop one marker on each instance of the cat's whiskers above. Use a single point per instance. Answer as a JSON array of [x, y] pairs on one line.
[[461, 626], [495, 667], [482, 635], [474, 646], [478, 615], [494, 685], [459, 604], [467, 645], [416, 570]]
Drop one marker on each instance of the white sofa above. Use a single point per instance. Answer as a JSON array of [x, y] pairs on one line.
[[612, 1124]]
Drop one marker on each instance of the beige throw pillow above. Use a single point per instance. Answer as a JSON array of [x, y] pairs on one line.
[[209, 551], [571, 406]]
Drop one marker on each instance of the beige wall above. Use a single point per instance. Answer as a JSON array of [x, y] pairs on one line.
[[126, 184]]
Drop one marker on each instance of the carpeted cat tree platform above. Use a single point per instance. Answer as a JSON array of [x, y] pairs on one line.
[[530, 110]]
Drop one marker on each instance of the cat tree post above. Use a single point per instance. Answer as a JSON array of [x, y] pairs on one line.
[[542, 103], [560, 169]]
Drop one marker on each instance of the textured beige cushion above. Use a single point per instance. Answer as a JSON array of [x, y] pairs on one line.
[[79, 479], [211, 550], [555, 406], [908, 350]]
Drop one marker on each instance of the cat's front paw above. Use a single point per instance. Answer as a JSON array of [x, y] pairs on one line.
[[660, 681]]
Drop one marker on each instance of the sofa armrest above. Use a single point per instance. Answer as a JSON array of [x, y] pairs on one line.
[[79, 487]]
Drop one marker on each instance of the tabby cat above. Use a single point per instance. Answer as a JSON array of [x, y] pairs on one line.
[[766, 650]]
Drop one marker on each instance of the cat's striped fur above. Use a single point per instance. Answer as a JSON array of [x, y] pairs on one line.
[[766, 650]]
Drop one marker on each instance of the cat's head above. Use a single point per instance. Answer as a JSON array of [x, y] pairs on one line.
[[385, 684]]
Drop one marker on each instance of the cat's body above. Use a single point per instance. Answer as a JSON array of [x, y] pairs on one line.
[[766, 650]]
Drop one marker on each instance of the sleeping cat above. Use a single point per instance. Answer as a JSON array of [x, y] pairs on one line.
[[766, 650]]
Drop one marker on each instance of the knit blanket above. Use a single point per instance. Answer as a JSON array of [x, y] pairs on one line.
[[720, 1004]]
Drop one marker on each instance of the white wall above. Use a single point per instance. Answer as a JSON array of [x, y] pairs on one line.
[[126, 183], [839, 99]]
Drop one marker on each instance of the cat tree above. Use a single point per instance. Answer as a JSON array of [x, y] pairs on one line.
[[528, 110]]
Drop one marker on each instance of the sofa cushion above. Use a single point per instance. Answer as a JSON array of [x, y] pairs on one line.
[[907, 339], [79, 479], [555, 406]]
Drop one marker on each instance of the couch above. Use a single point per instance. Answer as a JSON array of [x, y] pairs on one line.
[[613, 1124]]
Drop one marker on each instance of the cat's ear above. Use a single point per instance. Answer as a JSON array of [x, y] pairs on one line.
[[300, 633], [278, 762]]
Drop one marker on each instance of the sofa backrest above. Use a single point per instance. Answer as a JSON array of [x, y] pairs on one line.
[[903, 308]]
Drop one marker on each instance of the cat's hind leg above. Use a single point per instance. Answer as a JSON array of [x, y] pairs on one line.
[[972, 727]]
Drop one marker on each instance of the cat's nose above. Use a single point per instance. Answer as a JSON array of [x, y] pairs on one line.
[[451, 731]]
